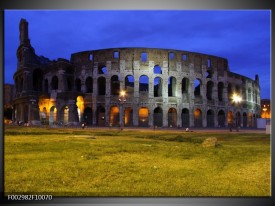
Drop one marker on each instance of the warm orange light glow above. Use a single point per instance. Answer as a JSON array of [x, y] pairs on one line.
[[122, 93], [114, 115], [197, 113], [143, 112], [230, 117], [236, 98]]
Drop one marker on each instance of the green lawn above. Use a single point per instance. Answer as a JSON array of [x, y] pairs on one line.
[[76, 162]]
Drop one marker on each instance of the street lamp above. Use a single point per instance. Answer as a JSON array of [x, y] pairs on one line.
[[122, 99], [237, 99]]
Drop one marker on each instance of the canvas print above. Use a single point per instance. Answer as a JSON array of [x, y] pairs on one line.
[[133, 103]]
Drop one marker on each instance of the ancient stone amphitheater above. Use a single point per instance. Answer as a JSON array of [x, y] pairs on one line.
[[139, 87]]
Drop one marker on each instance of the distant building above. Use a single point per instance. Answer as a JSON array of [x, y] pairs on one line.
[[9, 95], [265, 109]]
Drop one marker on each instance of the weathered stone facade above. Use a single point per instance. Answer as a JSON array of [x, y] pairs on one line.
[[164, 88]]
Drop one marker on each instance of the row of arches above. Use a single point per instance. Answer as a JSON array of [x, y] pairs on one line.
[[143, 86], [69, 83], [127, 119]]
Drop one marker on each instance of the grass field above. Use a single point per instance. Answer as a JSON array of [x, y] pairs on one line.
[[109, 162]]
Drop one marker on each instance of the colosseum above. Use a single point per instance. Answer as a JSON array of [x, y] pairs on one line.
[[132, 87]]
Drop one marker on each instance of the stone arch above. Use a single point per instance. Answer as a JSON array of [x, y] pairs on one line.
[[209, 90], [220, 91], [221, 118], [64, 114], [184, 85], [88, 116], [101, 86], [54, 83], [172, 117], [143, 83], [114, 116], [197, 87], [185, 118], [100, 116], [197, 118], [128, 119], [172, 86], [89, 84], [37, 79], [158, 87], [158, 117], [115, 86], [78, 85], [157, 69], [53, 115], [230, 118], [102, 69], [143, 117], [129, 84], [210, 118]]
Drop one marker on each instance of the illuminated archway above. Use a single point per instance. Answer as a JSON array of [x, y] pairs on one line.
[[52, 117], [197, 118], [114, 116], [80, 107], [230, 118], [143, 117], [65, 115], [128, 121]]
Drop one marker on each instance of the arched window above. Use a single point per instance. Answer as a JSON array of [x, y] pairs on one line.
[[89, 84], [37, 79], [209, 90], [54, 83], [101, 85], [157, 69], [143, 83], [78, 85], [158, 87], [172, 86], [115, 87]]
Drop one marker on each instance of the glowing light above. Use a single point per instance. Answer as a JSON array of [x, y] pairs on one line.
[[122, 93], [236, 98]]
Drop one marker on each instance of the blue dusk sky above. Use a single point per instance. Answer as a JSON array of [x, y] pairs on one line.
[[241, 36]]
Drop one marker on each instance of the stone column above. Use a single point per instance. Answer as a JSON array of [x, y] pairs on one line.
[[61, 81], [204, 118], [135, 115], [73, 113], [151, 116], [26, 81], [165, 116], [94, 110]]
